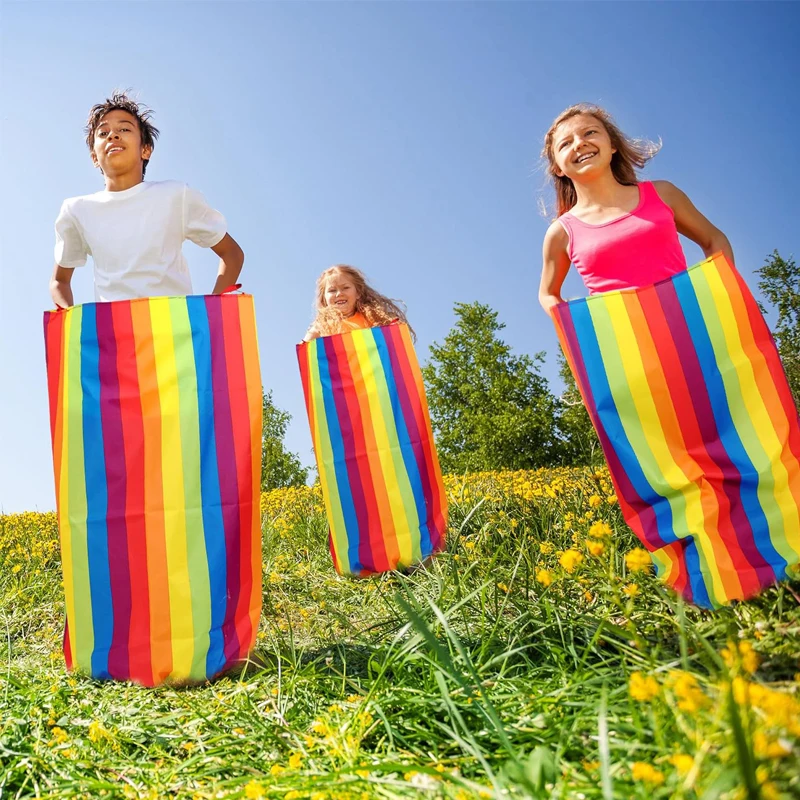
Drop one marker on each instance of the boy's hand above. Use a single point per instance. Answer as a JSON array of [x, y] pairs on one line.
[[60, 287], [231, 259]]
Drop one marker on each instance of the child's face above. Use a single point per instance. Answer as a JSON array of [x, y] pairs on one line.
[[118, 144], [341, 293], [582, 148]]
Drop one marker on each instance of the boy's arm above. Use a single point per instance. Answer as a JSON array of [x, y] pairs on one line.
[[231, 258], [60, 286]]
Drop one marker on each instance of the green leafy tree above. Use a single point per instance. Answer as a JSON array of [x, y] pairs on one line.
[[490, 409], [779, 282], [279, 467], [580, 444]]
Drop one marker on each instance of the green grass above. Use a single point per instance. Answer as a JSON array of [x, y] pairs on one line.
[[469, 678]]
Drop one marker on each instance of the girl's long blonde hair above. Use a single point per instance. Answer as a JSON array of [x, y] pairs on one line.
[[377, 308], [632, 154]]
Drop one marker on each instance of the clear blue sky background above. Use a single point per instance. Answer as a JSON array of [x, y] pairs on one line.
[[399, 137]]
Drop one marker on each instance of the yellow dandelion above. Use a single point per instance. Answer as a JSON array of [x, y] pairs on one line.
[[682, 763], [631, 590], [647, 773], [544, 577], [638, 560], [599, 530], [254, 790], [642, 687], [595, 548], [59, 735], [570, 559]]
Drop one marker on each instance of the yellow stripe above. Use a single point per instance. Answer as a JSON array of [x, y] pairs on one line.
[[398, 487], [180, 601], [752, 419], [670, 478], [62, 477]]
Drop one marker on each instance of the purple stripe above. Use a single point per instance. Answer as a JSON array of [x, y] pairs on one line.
[[226, 468], [117, 483], [357, 483], [707, 424], [643, 511]]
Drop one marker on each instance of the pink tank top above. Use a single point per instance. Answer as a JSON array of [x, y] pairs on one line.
[[636, 249]]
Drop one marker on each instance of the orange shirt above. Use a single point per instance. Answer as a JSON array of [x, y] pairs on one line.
[[354, 322]]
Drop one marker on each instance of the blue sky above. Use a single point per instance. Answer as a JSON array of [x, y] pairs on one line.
[[402, 138]]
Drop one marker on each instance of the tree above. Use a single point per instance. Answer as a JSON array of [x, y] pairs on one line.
[[489, 408], [580, 444], [779, 282], [279, 468]]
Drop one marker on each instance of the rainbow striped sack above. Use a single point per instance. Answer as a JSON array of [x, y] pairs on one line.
[[155, 412], [685, 388], [377, 461]]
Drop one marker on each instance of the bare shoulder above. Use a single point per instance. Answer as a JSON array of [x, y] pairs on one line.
[[556, 237], [668, 191]]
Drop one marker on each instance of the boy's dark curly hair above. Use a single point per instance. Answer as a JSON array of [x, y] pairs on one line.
[[119, 101]]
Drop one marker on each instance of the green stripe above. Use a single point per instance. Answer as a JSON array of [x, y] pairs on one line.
[[197, 558], [76, 492]]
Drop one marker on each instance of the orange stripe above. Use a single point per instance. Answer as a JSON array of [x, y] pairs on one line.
[[160, 623], [252, 370], [665, 408]]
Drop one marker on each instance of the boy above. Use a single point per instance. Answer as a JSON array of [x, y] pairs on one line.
[[134, 229]]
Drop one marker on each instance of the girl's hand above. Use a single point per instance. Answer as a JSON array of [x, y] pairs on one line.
[[692, 224]]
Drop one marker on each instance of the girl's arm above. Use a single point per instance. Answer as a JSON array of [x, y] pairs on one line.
[[555, 265], [692, 224]]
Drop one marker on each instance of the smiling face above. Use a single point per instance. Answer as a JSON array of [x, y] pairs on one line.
[[117, 148], [582, 148], [341, 293]]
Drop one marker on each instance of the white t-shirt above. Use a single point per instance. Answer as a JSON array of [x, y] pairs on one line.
[[135, 237]]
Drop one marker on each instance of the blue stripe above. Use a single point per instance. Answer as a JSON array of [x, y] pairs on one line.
[[339, 464], [406, 447], [728, 435], [96, 495], [697, 579], [213, 525], [610, 420]]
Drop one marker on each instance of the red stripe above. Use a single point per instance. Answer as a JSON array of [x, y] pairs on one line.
[[240, 414], [303, 351], [66, 646], [116, 481], [133, 434], [53, 336]]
